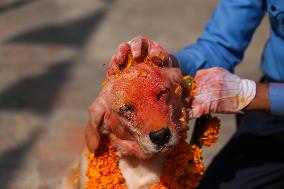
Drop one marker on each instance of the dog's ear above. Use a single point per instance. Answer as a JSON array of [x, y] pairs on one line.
[[174, 74], [177, 79], [97, 112]]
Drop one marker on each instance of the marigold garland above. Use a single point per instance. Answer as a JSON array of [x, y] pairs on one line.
[[103, 171], [210, 134], [183, 168]]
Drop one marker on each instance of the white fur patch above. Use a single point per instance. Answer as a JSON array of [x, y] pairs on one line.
[[141, 174]]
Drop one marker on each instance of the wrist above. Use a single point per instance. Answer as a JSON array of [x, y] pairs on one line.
[[247, 94], [261, 99]]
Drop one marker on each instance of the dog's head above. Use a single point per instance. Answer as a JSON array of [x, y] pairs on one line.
[[142, 108]]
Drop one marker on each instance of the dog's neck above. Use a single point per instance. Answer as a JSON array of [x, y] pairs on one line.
[[141, 174]]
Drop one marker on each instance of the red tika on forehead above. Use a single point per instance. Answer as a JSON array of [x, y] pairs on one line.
[[144, 87], [141, 86]]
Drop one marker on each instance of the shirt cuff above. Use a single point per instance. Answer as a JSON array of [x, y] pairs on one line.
[[276, 98], [186, 63]]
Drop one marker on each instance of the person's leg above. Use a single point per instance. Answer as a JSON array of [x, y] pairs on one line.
[[253, 158]]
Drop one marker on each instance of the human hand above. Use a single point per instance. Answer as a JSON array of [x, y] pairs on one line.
[[140, 48], [219, 91]]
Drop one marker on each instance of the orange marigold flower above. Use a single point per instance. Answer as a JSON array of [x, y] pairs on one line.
[[103, 171], [180, 169], [183, 169], [211, 132]]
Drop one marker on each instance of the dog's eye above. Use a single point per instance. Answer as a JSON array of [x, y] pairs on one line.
[[163, 94], [126, 111], [126, 108]]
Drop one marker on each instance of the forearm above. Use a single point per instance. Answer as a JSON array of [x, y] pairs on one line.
[[226, 36], [202, 55], [269, 97]]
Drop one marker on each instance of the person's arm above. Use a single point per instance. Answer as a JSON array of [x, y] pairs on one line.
[[226, 36], [268, 97], [261, 100], [219, 91]]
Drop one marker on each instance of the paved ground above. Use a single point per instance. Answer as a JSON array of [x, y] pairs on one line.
[[51, 67]]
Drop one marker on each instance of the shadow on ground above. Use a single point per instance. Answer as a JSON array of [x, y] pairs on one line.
[[73, 34], [39, 93], [14, 5], [12, 159]]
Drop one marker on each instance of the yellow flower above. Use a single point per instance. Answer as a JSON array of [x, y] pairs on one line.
[[191, 83]]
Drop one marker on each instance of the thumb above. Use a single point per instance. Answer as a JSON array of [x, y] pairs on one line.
[[194, 112]]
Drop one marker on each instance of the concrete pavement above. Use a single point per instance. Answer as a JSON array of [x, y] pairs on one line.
[[51, 68]]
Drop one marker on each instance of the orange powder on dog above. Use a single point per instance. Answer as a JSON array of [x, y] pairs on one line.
[[183, 168]]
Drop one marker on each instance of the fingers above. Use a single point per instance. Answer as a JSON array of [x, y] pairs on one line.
[[212, 70], [157, 54], [197, 111], [139, 48], [113, 66], [122, 53]]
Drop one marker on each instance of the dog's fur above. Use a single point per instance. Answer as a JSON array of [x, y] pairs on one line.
[[133, 103]]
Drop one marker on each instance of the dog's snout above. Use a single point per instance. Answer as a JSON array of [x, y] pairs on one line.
[[160, 137]]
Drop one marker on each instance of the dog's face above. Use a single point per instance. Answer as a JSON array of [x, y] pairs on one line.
[[142, 110]]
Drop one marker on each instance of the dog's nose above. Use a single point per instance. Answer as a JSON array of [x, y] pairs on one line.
[[160, 137]]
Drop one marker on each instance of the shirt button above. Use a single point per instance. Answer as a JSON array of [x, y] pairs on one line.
[[273, 8]]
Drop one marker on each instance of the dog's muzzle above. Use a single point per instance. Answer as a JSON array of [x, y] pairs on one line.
[[160, 137]]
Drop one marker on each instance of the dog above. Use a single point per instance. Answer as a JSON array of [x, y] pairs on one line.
[[143, 109]]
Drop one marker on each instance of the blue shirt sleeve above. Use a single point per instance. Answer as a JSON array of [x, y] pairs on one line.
[[226, 36], [276, 98]]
